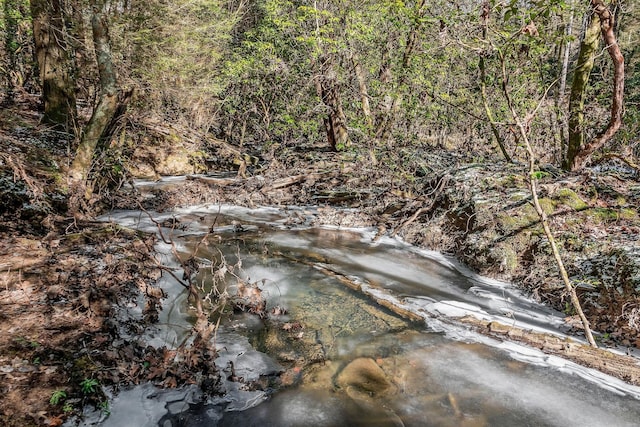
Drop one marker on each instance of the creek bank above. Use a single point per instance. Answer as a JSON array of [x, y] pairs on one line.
[[77, 296], [69, 325], [479, 213]]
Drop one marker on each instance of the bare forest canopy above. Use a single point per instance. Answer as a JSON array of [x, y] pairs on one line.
[[361, 75]]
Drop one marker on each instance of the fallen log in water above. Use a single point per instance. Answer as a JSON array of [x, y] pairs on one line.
[[626, 368], [214, 181]]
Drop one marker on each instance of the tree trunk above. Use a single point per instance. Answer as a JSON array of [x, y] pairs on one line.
[[565, 54], [104, 112], [558, 122], [588, 47], [335, 122], [578, 153], [54, 63], [11, 29], [483, 86], [362, 88]]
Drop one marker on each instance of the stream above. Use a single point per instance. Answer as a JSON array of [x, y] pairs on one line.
[[329, 355]]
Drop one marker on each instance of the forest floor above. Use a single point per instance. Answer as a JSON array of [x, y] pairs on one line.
[[71, 292], [70, 288]]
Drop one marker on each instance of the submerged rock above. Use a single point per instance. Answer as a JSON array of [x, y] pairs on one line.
[[364, 378]]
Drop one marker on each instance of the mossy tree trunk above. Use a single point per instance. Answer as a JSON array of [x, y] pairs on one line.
[[602, 23], [54, 63], [104, 111]]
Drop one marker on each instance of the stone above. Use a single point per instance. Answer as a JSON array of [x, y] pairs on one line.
[[364, 377]]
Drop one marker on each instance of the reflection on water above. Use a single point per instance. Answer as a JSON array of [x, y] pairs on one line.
[[338, 359]]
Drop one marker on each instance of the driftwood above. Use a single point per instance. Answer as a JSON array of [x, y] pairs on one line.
[[295, 179]]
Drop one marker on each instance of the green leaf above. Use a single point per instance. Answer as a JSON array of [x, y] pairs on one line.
[[57, 397]]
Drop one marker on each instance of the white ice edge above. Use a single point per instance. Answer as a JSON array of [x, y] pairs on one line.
[[452, 309], [448, 309]]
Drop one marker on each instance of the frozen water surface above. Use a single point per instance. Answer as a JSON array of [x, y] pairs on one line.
[[440, 375]]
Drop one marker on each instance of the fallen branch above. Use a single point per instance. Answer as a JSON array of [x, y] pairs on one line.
[[436, 193], [295, 179]]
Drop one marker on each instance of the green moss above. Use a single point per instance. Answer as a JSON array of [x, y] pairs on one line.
[[569, 198], [548, 205], [574, 221], [508, 222], [606, 214], [628, 214], [511, 181], [510, 260], [524, 217], [518, 196]]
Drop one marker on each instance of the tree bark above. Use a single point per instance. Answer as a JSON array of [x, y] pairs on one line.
[[588, 47], [565, 54], [362, 88], [578, 153], [104, 112], [335, 122], [11, 29], [54, 63]]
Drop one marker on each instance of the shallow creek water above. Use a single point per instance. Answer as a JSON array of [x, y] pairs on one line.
[[338, 358]]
